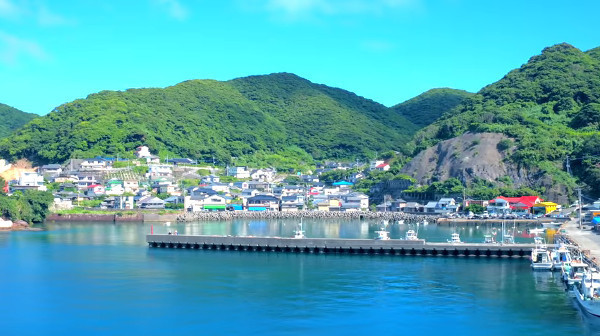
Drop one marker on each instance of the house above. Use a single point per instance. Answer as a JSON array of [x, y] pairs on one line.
[[62, 178], [384, 207], [131, 186], [182, 161], [383, 167], [156, 171], [204, 203], [263, 174], [151, 203], [142, 152], [355, 200], [544, 208], [219, 187], [503, 204], [398, 205], [259, 185], [413, 207], [85, 180], [123, 202], [333, 204], [292, 190], [94, 164], [211, 179], [50, 170], [292, 203], [96, 189], [115, 187], [30, 180], [238, 172], [375, 163], [162, 186], [263, 203], [61, 203], [200, 191]]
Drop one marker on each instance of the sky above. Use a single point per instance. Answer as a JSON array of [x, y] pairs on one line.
[[56, 51]]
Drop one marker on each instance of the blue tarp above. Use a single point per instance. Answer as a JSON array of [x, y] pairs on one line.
[[596, 221], [257, 209], [342, 183]]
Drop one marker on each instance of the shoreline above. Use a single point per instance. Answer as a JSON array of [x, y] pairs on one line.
[[230, 215]]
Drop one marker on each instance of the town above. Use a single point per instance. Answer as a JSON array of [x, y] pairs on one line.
[[146, 182]]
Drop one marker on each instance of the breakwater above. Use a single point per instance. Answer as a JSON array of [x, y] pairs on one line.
[[230, 215], [338, 245]]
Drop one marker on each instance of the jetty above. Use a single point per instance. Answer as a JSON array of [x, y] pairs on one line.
[[363, 215], [337, 245]]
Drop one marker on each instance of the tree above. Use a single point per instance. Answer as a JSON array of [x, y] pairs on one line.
[[475, 208]]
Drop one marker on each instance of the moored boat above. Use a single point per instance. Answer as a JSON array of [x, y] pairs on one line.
[[540, 256], [455, 238], [382, 235], [410, 235], [560, 256], [299, 233], [587, 293]]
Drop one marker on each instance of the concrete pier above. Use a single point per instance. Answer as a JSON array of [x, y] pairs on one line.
[[330, 245]]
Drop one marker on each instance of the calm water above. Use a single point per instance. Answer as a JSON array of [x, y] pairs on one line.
[[99, 278]]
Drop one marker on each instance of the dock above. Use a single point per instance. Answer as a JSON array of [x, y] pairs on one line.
[[337, 246]]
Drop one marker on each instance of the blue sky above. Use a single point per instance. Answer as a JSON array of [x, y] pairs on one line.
[[52, 52]]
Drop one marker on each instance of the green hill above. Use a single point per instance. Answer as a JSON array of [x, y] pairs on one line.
[[550, 107], [278, 119], [12, 119], [429, 106]]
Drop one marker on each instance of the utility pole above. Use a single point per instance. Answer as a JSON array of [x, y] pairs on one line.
[[580, 206], [568, 166]]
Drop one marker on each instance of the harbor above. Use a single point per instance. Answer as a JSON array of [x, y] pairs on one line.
[[417, 247]]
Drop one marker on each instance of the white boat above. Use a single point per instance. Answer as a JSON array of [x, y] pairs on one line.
[[382, 235], [573, 272], [401, 222], [425, 222], [540, 256], [410, 235], [587, 293], [488, 239], [298, 233], [560, 256], [536, 231], [553, 225], [455, 238]]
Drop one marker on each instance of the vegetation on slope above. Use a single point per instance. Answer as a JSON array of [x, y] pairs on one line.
[[429, 106], [12, 118], [281, 119], [550, 106]]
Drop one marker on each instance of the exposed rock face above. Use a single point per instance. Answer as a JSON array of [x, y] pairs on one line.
[[476, 155], [465, 157]]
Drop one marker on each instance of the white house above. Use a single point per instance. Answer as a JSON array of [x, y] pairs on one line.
[[263, 174], [30, 180], [238, 172], [4, 165], [204, 203], [93, 164], [155, 171]]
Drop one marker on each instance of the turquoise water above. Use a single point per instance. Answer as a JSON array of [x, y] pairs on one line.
[[102, 279]]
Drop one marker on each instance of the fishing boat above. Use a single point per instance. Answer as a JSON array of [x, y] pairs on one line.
[[425, 222], [560, 256], [536, 231], [488, 239], [382, 235], [540, 256], [455, 238], [573, 272], [587, 293], [401, 222], [299, 233], [410, 235]]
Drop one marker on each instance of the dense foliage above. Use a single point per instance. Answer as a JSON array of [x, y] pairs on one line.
[[549, 106], [12, 118], [279, 119], [30, 206], [429, 106]]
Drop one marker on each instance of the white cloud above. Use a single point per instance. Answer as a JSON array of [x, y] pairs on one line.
[[48, 18], [174, 8], [296, 9], [12, 48], [9, 10]]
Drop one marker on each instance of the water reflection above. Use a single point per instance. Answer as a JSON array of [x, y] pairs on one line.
[[95, 233]]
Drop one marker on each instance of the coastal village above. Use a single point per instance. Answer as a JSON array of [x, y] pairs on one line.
[[147, 183]]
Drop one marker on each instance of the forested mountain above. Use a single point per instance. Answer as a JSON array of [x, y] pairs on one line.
[[549, 108], [429, 106], [12, 118], [255, 119]]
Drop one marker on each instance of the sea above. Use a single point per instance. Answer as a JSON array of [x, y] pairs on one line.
[[90, 278]]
